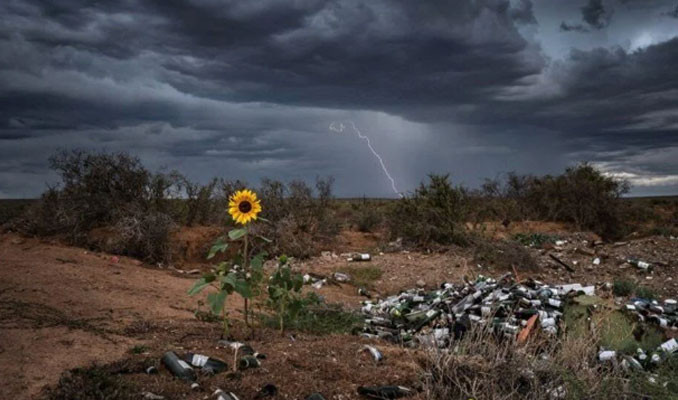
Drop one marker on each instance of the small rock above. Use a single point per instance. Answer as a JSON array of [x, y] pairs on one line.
[[421, 283]]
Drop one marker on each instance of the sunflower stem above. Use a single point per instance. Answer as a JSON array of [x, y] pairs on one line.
[[247, 270]]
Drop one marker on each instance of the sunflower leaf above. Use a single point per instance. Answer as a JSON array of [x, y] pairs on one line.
[[219, 246], [217, 300], [236, 234], [200, 284]]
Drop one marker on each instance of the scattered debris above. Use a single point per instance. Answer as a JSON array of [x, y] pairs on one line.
[[249, 361], [376, 354], [384, 392], [152, 396], [221, 395], [607, 355], [178, 367], [641, 361], [207, 364], [151, 370], [640, 264], [363, 292], [341, 277], [360, 257], [561, 262], [268, 390], [665, 314]]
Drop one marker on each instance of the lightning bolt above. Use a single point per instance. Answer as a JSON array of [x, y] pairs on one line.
[[340, 127]]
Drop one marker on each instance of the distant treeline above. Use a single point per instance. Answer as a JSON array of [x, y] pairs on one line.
[[141, 208]]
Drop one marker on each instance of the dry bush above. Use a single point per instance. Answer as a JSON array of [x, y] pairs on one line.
[[146, 235], [105, 191], [481, 366], [367, 215], [581, 195], [432, 215], [299, 218]]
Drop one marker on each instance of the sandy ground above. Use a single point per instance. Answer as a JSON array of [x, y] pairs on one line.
[[63, 307]]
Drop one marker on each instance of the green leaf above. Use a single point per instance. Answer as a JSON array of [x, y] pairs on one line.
[[297, 282], [219, 246], [243, 288], [200, 284], [229, 282], [258, 260], [236, 234], [217, 301]]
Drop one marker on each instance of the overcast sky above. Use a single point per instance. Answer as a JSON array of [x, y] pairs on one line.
[[248, 89]]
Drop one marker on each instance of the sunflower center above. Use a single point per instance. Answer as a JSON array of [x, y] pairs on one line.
[[245, 207]]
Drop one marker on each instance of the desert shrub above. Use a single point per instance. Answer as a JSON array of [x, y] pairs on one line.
[[432, 215], [534, 239], [367, 217], [503, 200], [646, 292], [146, 235], [200, 205], [582, 195], [105, 190], [623, 287], [11, 209], [318, 318], [298, 216]]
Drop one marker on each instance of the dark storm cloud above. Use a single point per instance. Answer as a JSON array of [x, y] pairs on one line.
[[595, 16], [673, 13], [567, 27], [245, 86]]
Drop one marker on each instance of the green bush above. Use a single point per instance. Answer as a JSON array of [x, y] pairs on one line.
[[433, 214], [318, 318], [646, 292], [581, 195], [623, 287]]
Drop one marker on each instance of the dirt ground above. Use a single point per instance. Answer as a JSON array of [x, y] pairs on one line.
[[63, 307]]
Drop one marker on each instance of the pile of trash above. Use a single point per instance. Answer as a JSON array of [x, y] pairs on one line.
[[641, 360], [417, 317], [664, 315]]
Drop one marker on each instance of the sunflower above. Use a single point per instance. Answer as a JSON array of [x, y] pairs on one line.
[[244, 206]]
